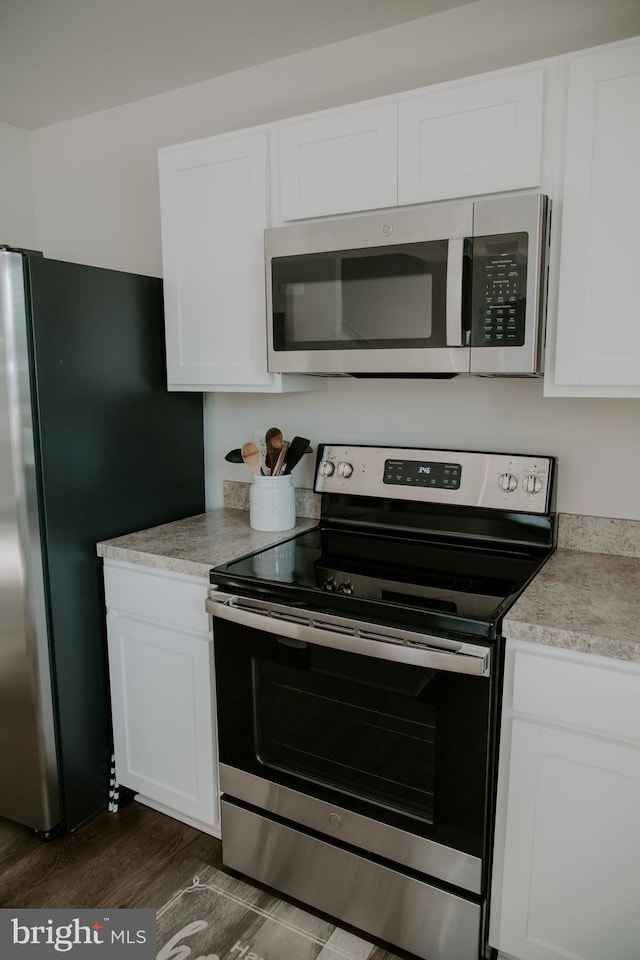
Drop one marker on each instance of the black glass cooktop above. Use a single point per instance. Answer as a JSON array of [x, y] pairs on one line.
[[423, 582]]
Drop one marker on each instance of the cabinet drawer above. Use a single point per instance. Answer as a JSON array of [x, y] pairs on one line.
[[595, 697], [156, 595]]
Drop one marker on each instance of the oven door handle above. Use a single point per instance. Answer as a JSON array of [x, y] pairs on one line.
[[353, 636]]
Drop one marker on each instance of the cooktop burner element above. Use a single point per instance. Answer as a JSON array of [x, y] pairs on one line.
[[438, 540]]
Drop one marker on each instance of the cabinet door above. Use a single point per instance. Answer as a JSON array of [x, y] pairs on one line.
[[214, 210], [598, 335], [461, 139], [162, 696], [339, 162], [572, 848]]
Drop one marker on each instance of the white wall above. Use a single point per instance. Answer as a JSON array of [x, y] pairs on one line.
[[17, 223], [96, 182], [96, 196], [597, 441]]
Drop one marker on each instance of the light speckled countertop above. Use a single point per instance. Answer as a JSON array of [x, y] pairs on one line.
[[194, 545], [582, 601], [585, 598]]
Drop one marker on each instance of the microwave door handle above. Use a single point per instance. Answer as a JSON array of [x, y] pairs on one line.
[[455, 259]]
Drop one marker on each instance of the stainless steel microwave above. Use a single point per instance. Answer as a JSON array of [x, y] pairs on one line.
[[434, 290]]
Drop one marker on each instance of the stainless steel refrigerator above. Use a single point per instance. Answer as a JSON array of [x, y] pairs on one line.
[[92, 446]]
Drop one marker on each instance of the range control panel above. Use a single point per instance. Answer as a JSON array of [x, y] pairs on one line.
[[495, 480]]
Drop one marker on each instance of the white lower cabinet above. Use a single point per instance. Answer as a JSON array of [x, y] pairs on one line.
[[567, 862], [162, 692]]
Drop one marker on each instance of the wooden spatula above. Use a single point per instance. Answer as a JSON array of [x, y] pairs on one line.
[[251, 456]]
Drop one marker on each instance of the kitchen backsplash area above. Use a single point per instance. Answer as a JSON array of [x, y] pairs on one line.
[[236, 494], [599, 535], [575, 532], [594, 439]]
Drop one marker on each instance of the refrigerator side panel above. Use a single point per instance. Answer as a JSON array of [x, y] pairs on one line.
[[117, 453], [29, 788]]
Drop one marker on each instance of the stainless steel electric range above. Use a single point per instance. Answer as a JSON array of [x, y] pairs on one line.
[[359, 672]]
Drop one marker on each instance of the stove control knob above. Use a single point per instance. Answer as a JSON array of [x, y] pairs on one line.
[[326, 468], [532, 483], [507, 482], [345, 469]]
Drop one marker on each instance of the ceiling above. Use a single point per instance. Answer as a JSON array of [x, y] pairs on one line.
[[61, 59]]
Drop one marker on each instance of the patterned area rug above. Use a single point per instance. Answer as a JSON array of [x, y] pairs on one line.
[[214, 916]]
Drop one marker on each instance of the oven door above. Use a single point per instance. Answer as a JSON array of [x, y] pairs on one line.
[[379, 741]]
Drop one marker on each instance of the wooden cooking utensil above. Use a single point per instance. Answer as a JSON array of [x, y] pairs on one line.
[[251, 456], [273, 441], [280, 461]]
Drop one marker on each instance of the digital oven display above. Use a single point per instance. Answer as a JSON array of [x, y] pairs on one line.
[[422, 473]]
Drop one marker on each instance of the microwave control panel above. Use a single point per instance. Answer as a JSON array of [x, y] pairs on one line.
[[499, 290]]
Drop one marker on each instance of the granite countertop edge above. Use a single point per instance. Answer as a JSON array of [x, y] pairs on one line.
[[581, 600]]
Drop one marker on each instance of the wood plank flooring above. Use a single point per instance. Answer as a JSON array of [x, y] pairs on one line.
[[115, 860], [127, 859]]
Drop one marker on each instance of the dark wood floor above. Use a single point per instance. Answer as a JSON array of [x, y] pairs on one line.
[[115, 860]]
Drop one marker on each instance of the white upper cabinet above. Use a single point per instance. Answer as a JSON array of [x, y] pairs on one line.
[[214, 203], [338, 162], [482, 135], [214, 210], [597, 344], [568, 127]]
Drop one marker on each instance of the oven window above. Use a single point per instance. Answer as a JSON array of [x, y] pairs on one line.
[[369, 299], [364, 733], [393, 742]]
